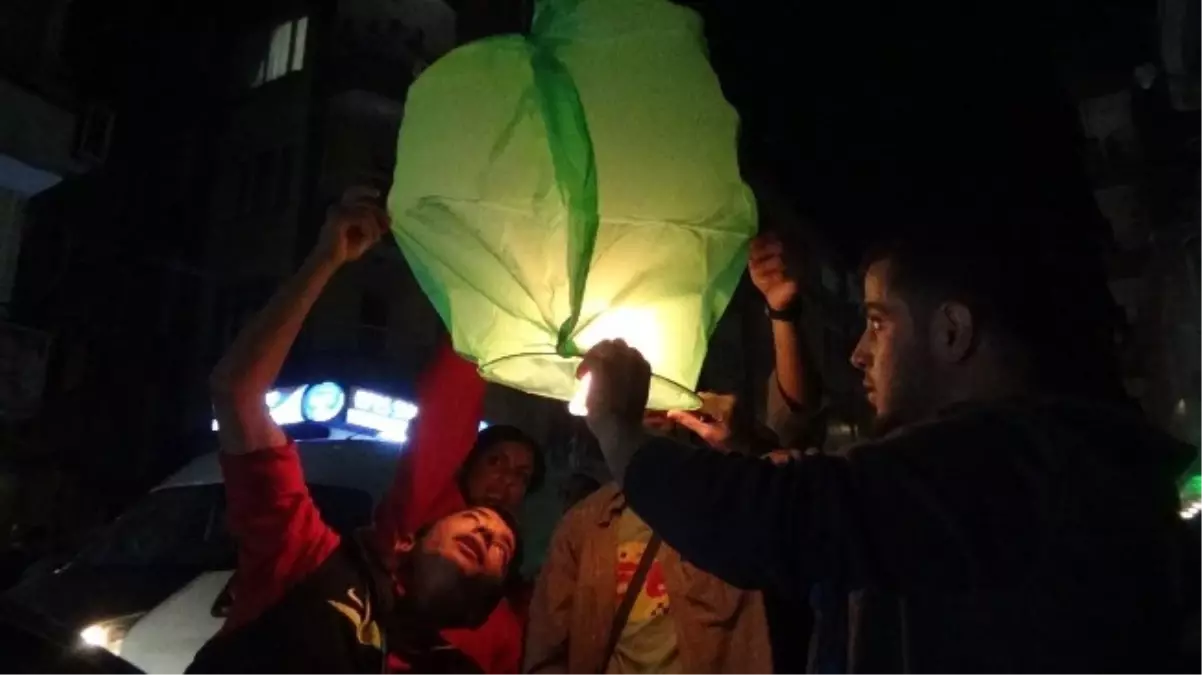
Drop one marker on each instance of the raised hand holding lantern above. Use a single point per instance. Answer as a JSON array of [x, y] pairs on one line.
[[575, 185]]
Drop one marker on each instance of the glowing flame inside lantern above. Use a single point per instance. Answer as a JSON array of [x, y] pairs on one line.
[[577, 406], [638, 327]]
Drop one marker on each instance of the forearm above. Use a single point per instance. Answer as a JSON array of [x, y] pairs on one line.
[[744, 520], [252, 363], [240, 381], [798, 378], [618, 446], [451, 400]]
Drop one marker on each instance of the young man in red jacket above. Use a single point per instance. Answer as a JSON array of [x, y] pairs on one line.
[[447, 467], [305, 600]]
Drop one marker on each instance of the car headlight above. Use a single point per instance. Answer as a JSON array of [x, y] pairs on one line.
[[110, 633]]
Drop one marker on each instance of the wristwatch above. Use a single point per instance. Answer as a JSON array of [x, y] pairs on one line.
[[789, 314]]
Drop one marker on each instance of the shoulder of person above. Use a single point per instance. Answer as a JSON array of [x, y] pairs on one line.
[[592, 508], [945, 428]]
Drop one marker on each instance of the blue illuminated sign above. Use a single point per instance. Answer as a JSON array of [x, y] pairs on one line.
[[322, 402], [368, 413], [389, 417]]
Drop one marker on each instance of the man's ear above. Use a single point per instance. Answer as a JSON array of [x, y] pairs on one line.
[[406, 544], [953, 332]]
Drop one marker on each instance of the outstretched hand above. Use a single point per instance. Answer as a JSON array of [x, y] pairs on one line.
[[619, 382], [352, 226], [714, 428]]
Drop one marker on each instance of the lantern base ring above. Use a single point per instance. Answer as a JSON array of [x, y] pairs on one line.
[[553, 376]]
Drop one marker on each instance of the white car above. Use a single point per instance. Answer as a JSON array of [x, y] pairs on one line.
[[150, 588]]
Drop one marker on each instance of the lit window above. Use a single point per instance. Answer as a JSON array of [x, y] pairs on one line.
[[279, 51], [299, 33], [285, 52]]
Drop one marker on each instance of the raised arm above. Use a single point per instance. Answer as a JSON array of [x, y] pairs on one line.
[[957, 502], [795, 388], [241, 379], [280, 534], [750, 522], [450, 405]]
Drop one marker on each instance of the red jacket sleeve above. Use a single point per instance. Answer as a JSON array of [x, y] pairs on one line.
[[280, 534], [450, 404]]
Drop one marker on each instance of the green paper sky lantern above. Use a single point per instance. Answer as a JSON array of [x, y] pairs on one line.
[[574, 185]]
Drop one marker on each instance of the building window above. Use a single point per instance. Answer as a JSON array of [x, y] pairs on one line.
[[285, 52], [300, 31]]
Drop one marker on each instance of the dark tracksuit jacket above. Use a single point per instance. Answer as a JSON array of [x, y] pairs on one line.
[[1017, 536]]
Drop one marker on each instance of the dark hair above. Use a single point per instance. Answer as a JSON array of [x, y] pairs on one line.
[[508, 518], [1038, 288], [504, 433]]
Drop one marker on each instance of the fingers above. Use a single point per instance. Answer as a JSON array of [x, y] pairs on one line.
[[690, 421], [371, 218], [768, 266], [766, 257], [362, 202], [765, 246], [621, 378], [359, 217], [608, 353]]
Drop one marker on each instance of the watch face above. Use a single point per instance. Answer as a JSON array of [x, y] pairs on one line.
[[323, 402]]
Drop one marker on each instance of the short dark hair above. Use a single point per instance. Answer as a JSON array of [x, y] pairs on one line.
[[508, 518], [505, 433], [1039, 288]]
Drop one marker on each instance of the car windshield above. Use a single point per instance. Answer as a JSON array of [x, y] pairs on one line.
[[186, 527]]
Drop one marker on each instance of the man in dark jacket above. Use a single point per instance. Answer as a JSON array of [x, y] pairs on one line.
[[1014, 515]]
